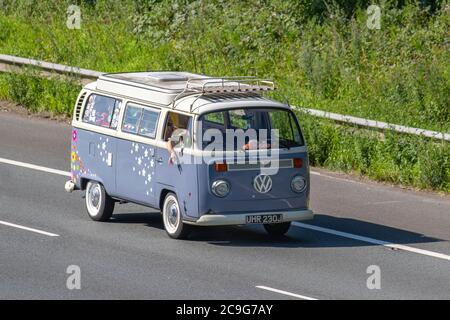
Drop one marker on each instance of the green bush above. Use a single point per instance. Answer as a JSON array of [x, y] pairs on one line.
[[391, 157], [38, 94]]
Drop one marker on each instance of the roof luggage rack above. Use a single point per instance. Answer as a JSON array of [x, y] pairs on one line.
[[229, 84], [209, 85]]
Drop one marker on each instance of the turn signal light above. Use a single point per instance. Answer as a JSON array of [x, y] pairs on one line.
[[298, 162], [221, 167]]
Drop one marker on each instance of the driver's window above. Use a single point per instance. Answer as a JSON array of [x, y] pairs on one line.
[[178, 129]]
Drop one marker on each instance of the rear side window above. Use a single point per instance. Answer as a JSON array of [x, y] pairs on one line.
[[148, 123], [131, 120], [102, 111], [138, 120]]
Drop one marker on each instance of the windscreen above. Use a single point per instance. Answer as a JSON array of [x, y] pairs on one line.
[[250, 128]]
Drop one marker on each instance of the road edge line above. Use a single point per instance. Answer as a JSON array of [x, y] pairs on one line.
[[9, 224], [287, 293], [34, 167], [373, 241]]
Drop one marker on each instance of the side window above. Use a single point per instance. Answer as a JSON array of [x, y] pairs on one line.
[[131, 120], [176, 121], [139, 120], [102, 111], [148, 123], [115, 117]]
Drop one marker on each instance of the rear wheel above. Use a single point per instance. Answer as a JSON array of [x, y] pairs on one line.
[[99, 204], [173, 222], [277, 229]]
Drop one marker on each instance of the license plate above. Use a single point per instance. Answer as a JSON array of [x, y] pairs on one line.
[[264, 218]]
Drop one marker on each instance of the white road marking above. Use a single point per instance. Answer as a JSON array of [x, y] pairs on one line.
[[373, 241], [34, 167], [316, 173], [384, 202], [28, 229], [286, 293]]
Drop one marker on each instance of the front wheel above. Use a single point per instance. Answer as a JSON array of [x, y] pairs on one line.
[[99, 204], [173, 222], [277, 229]]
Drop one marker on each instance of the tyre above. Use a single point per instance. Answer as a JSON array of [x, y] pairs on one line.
[[277, 229], [173, 222], [99, 204]]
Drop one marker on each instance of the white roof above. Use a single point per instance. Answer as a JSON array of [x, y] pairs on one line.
[[188, 92]]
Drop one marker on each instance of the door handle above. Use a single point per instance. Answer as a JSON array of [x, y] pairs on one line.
[[159, 160]]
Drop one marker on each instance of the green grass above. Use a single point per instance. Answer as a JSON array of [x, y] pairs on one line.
[[321, 54], [389, 157], [39, 94]]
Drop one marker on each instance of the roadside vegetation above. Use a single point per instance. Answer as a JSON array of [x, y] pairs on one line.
[[321, 54]]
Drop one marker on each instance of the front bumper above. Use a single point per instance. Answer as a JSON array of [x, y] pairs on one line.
[[239, 219]]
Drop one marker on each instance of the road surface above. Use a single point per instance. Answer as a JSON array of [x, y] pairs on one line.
[[44, 230]]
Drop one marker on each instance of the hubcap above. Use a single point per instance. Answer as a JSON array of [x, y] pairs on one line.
[[94, 196], [172, 215]]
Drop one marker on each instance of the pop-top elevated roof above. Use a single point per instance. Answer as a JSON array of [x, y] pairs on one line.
[[165, 80], [166, 87]]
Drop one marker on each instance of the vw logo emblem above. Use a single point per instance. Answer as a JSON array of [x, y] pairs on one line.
[[262, 183]]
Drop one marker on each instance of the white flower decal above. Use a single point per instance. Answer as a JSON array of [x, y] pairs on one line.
[[143, 164]]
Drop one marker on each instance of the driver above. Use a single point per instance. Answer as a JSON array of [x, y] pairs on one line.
[[170, 144]]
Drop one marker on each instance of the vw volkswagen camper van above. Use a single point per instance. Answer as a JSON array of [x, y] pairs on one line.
[[205, 151]]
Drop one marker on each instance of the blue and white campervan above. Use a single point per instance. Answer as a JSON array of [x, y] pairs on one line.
[[205, 151]]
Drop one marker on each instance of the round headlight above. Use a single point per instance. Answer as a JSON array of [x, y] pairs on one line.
[[220, 188], [298, 184]]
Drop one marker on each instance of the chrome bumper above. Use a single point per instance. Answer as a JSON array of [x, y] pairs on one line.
[[239, 219]]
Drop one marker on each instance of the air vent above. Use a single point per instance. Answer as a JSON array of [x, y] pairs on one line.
[[79, 106]]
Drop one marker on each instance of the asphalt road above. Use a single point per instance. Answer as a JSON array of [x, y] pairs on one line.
[[358, 224]]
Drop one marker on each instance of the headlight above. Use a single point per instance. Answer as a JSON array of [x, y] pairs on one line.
[[220, 188], [298, 184]]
